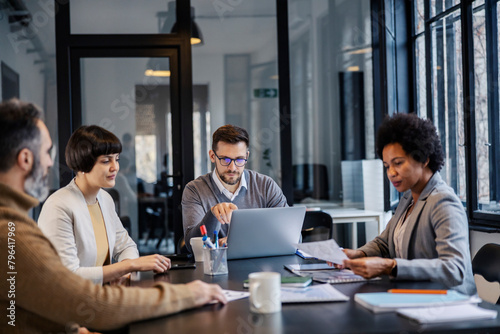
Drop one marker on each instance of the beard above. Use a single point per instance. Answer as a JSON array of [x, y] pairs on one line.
[[230, 181], [36, 183]]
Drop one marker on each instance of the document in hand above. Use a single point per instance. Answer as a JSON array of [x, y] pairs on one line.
[[463, 312], [379, 302], [327, 250], [312, 294], [321, 272]]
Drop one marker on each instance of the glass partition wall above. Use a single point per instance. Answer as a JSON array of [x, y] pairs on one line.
[[332, 99], [235, 80], [332, 111]]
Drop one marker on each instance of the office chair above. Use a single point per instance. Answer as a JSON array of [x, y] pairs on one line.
[[487, 264], [310, 180], [315, 223]]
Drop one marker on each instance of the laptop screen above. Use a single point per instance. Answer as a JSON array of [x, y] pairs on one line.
[[264, 232]]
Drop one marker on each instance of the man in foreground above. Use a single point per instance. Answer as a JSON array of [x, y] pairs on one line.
[[39, 294]]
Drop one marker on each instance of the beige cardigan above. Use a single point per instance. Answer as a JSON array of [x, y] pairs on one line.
[[49, 297]]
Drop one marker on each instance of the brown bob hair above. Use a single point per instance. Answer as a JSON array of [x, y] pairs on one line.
[[86, 144]]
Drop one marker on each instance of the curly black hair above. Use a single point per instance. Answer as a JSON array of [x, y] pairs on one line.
[[418, 137]]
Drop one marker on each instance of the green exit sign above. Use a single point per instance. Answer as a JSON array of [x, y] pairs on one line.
[[265, 92]]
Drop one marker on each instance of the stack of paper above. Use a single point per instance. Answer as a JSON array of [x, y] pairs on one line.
[[428, 315]]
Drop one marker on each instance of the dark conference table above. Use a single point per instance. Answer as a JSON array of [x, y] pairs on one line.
[[338, 317]]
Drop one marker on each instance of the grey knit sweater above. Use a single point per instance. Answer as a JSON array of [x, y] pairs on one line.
[[202, 194]]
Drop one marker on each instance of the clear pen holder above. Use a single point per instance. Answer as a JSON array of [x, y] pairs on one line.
[[215, 261]]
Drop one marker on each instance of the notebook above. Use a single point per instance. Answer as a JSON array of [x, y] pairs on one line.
[[264, 232], [463, 312], [312, 294], [379, 302], [289, 282]]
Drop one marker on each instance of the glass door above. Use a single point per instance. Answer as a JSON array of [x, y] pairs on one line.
[[134, 94]]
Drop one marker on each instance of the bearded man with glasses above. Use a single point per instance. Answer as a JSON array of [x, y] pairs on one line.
[[211, 198]]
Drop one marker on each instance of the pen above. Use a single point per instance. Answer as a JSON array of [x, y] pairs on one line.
[[203, 230], [419, 291], [216, 239], [207, 242]]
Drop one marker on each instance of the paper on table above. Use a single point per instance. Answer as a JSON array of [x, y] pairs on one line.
[[447, 313], [232, 295], [327, 250], [315, 293]]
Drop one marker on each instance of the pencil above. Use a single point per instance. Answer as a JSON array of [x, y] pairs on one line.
[[420, 291]]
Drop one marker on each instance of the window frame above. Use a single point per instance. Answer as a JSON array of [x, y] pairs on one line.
[[478, 220]]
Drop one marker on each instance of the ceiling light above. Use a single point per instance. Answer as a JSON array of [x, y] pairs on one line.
[[153, 73], [196, 36]]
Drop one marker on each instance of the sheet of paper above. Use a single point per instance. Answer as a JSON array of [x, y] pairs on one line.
[[234, 295], [327, 250], [447, 313]]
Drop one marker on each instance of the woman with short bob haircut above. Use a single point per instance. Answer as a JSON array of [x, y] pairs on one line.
[[80, 219], [428, 236]]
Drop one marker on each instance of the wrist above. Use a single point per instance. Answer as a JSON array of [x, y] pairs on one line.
[[128, 266], [393, 272]]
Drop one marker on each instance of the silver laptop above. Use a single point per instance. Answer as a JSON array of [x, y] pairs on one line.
[[264, 232]]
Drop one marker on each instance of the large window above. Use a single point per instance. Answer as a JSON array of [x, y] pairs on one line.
[[457, 43]]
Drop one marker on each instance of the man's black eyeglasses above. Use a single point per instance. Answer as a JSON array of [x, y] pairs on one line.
[[238, 162]]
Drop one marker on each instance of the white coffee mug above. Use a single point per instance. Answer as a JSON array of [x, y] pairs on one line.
[[197, 247], [265, 292]]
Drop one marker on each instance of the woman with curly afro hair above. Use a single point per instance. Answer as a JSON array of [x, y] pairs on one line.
[[427, 238]]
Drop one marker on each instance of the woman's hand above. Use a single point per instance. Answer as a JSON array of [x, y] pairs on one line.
[[369, 267], [157, 263]]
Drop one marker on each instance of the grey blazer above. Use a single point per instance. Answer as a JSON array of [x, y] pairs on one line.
[[436, 236]]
